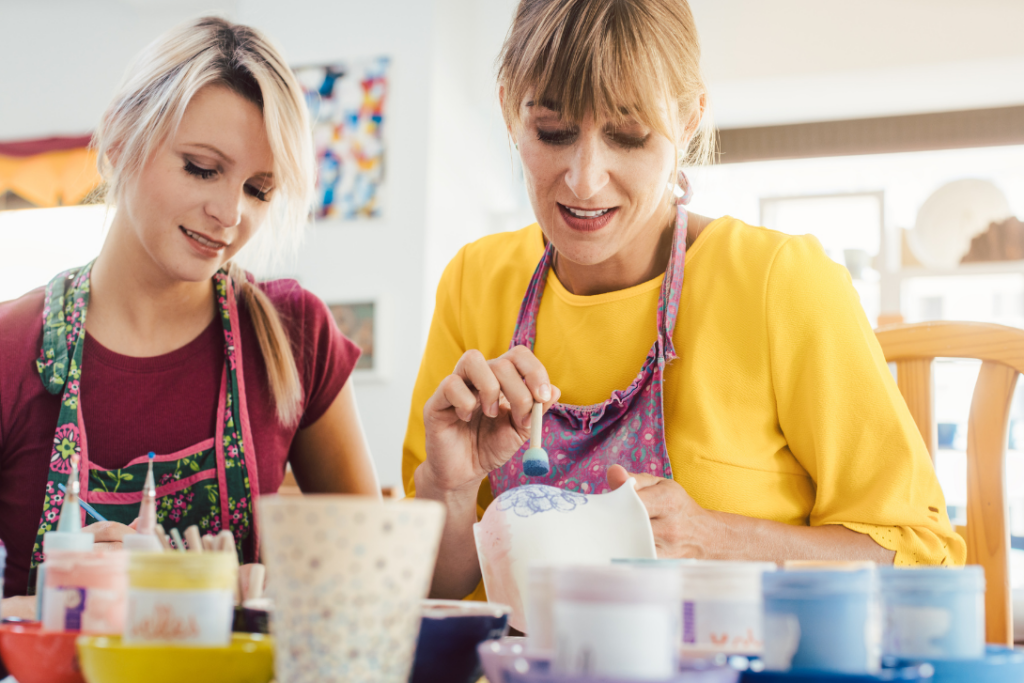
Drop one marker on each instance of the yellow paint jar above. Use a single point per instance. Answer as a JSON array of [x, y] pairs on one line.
[[185, 598]]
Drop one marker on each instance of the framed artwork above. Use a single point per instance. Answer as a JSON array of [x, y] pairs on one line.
[[357, 321], [347, 104]]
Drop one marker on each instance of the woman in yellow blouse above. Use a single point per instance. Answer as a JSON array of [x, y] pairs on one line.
[[751, 400]]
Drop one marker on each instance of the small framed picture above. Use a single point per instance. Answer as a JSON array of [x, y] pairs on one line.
[[358, 322]]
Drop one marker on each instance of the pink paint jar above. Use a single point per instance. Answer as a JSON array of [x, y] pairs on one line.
[[85, 591]]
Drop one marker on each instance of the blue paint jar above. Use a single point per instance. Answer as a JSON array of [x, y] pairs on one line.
[[933, 613], [823, 620]]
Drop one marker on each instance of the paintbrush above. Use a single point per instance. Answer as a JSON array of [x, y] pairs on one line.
[[194, 540], [535, 459]]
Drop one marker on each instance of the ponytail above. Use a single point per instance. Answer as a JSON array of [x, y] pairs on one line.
[[276, 347]]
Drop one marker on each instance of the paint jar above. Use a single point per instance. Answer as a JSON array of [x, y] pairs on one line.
[[185, 598], [824, 620], [85, 591], [617, 621], [53, 541], [933, 612], [540, 603], [723, 610]]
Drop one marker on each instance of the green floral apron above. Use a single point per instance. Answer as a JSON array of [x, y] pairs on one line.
[[211, 484]]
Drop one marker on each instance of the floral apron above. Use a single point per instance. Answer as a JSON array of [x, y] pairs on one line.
[[212, 484], [629, 428]]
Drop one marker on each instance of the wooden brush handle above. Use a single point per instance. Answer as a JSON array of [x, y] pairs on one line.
[[536, 425]]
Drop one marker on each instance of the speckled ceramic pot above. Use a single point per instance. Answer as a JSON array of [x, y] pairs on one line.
[[347, 575]]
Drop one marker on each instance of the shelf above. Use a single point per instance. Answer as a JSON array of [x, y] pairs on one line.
[[968, 269]]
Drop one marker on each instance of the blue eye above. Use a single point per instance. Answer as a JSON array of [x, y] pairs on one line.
[[204, 173]]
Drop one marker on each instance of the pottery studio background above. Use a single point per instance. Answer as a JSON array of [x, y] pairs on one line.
[[867, 113]]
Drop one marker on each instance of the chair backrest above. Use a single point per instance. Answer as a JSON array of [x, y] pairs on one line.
[[1001, 350]]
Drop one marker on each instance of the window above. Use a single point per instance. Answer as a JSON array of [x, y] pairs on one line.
[[36, 244]]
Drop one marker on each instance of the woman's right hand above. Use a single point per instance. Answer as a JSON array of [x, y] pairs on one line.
[[480, 416]]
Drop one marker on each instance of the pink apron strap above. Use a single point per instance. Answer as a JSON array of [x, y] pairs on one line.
[[243, 412]]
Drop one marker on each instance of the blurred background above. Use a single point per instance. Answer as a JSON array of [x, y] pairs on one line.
[[893, 130]]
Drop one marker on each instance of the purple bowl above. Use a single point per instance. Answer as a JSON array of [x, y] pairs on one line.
[[450, 632], [253, 616], [507, 661]]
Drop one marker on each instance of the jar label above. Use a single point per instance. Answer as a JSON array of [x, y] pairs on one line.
[[200, 617], [63, 607], [75, 608], [732, 626]]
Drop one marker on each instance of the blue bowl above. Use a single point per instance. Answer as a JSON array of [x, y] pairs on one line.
[[921, 673], [999, 665], [450, 632]]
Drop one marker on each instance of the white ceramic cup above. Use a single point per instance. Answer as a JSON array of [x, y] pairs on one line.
[[346, 574]]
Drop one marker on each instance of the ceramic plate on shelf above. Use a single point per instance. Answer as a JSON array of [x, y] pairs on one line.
[[537, 524]]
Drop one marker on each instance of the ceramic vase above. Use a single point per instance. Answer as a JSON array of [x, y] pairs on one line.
[[542, 525], [347, 574]]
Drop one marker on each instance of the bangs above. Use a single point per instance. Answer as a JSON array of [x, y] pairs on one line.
[[590, 58], [610, 59]]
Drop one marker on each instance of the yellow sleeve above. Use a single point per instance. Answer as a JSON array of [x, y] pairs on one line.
[[843, 416]]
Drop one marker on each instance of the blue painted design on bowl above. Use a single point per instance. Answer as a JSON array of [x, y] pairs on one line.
[[526, 501]]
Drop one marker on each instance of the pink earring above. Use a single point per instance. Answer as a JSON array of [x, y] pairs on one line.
[[681, 189]]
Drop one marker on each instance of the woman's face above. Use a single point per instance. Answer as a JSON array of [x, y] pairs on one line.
[[205, 190], [596, 188]]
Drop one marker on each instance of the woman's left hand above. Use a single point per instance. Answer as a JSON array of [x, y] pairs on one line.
[[676, 519]]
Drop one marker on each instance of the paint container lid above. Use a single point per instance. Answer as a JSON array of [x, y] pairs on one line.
[[616, 583], [182, 571], [827, 565], [722, 580], [808, 585], [941, 579], [142, 543], [713, 579], [68, 540], [93, 568]]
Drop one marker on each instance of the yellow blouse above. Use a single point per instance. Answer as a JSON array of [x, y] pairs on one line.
[[780, 405]]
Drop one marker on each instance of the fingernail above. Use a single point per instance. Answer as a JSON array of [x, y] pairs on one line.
[[494, 409], [545, 392]]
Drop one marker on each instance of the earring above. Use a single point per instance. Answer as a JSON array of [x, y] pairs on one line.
[[681, 189]]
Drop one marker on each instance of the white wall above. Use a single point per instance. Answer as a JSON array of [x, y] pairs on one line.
[[788, 61], [62, 59]]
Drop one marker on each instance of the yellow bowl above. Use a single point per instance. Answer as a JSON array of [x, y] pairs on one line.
[[249, 659]]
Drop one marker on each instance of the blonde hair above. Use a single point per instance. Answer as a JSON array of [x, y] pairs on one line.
[[610, 59], [148, 107]]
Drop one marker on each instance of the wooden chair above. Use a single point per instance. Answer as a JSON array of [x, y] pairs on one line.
[[1001, 350]]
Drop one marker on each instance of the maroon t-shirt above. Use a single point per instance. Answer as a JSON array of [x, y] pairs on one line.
[[165, 404]]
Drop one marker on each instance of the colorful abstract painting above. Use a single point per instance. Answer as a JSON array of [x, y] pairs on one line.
[[347, 104]]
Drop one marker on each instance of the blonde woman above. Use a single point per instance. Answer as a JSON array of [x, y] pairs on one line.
[[163, 344], [750, 401]]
